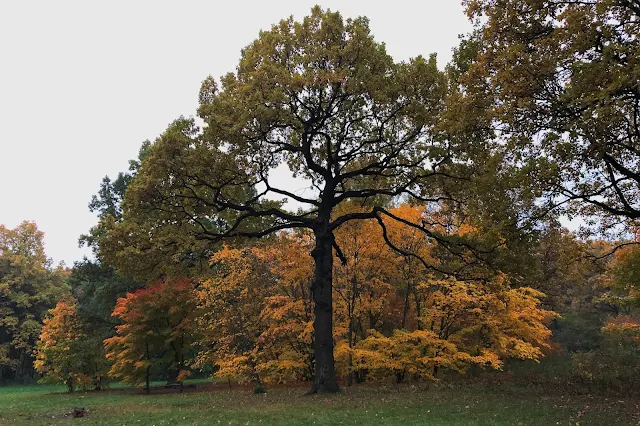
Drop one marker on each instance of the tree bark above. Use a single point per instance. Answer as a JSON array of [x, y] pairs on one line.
[[324, 380], [350, 360], [147, 386], [405, 308], [418, 310], [350, 312]]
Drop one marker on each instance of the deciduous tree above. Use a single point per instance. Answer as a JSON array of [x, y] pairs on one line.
[[257, 312], [29, 287], [66, 352], [324, 98], [465, 324], [157, 334]]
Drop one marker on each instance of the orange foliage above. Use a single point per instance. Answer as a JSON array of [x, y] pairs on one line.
[[258, 313], [64, 352], [623, 329], [393, 316], [157, 331]]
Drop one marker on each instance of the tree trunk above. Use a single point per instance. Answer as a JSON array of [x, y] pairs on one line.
[[350, 313], [172, 376], [324, 380], [97, 383], [418, 310], [350, 365], [405, 308], [147, 386]]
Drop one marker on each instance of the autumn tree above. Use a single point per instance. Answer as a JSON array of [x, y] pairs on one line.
[[97, 287], [29, 287], [450, 323], [324, 98], [410, 273], [231, 303], [157, 333], [560, 81], [623, 283], [256, 312], [66, 352], [465, 324], [362, 286], [288, 313]]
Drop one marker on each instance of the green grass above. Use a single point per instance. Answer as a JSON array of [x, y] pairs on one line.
[[213, 405]]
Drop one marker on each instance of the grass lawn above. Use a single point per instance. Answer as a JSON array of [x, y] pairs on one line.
[[212, 404]]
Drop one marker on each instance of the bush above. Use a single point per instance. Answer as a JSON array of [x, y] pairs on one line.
[[616, 364], [578, 331]]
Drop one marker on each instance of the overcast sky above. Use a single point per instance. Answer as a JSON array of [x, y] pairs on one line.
[[83, 83]]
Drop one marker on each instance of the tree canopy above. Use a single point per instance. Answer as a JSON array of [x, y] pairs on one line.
[[561, 81], [324, 98]]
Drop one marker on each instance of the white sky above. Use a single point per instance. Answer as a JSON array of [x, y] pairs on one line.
[[83, 83]]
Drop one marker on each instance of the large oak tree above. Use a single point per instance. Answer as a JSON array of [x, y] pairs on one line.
[[322, 97]]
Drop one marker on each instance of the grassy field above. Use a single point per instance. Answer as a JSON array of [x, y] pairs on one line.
[[212, 404]]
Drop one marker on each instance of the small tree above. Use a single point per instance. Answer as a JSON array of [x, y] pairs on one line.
[[624, 279], [157, 333], [465, 324], [231, 303], [362, 286], [256, 318], [66, 352]]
